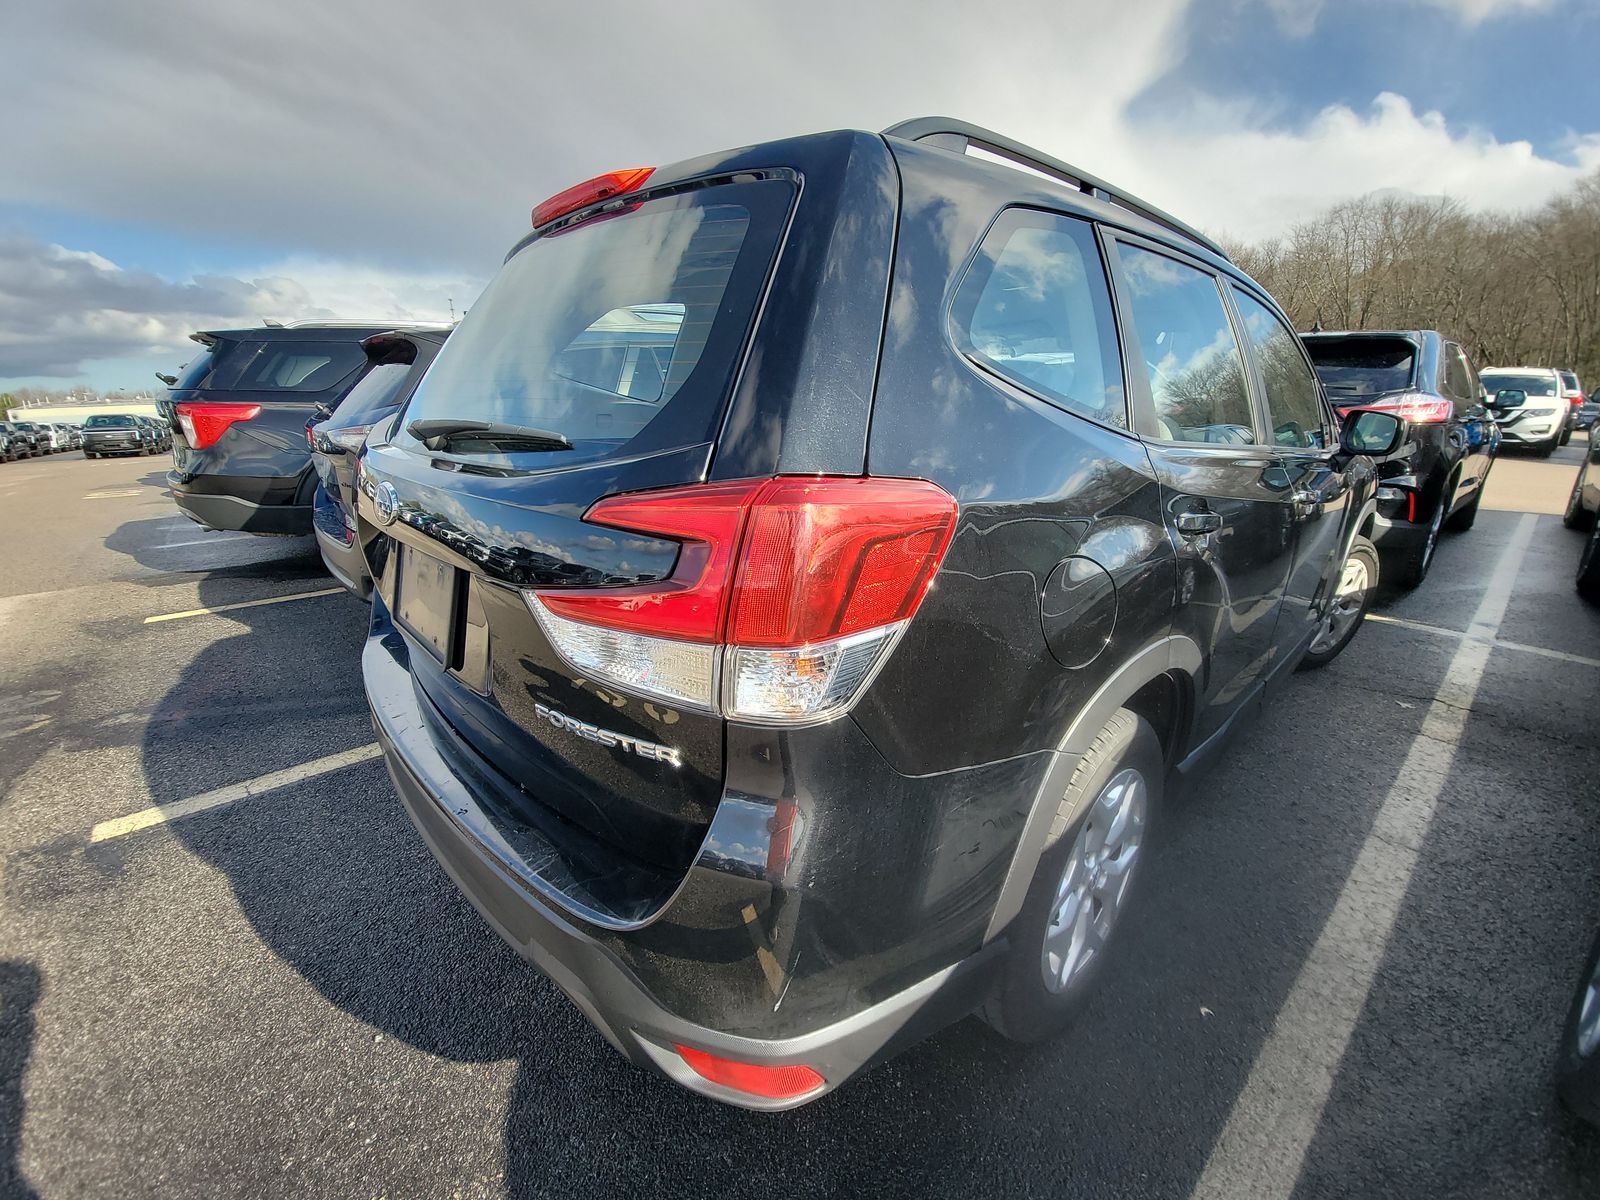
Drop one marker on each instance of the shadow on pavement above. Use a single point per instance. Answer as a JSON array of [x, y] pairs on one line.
[[19, 994], [335, 881]]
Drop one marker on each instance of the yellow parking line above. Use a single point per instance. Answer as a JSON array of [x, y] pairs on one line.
[[222, 608], [148, 817]]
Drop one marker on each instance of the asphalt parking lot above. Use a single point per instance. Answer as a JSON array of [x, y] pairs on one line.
[[1355, 950]]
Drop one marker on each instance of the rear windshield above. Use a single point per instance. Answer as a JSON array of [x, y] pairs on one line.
[[379, 389], [108, 421], [193, 373], [1354, 368], [626, 330], [1532, 385]]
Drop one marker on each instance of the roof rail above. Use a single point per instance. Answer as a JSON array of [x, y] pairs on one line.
[[947, 133]]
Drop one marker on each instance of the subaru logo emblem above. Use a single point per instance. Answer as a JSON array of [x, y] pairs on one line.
[[386, 503]]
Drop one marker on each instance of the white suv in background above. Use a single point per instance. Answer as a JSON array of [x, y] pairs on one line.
[[1541, 419]]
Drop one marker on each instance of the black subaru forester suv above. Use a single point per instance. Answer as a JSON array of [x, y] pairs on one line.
[[806, 570]]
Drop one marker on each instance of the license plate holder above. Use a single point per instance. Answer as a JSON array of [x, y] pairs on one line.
[[426, 600]]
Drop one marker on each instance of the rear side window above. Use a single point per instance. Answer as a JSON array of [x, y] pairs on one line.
[[624, 330], [1458, 381], [1036, 310], [1191, 358], [1569, 383], [1294, 409]]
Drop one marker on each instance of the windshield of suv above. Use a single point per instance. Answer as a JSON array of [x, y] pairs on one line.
[[1357, 368], [1533, 385], [627, 328], [117, 420]]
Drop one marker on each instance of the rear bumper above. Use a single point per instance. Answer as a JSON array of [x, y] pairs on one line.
[[587, 962], [344, 559], [219, 510]]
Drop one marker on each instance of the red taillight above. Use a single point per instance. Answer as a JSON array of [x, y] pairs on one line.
[[785, 595], [590, 191], [1416, 407], [768, 1082], [816, 558], [204, 423], [827, 557]]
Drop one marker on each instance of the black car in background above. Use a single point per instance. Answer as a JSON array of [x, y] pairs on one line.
[[397, 360], [237, 417], [799, 575], [1435, 481], [35, 434], [24, 440], [107, 434], [160, 433], [8, 449]]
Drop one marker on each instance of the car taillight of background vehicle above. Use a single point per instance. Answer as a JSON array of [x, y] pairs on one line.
[[1416, 407], [786, 598], [205, 423]]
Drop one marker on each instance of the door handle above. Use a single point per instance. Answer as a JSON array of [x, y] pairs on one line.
[[1199, 522]]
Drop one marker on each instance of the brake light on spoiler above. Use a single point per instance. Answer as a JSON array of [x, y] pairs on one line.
[[787, 596]]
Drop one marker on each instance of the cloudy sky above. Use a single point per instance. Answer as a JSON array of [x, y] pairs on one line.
[[172, 165]]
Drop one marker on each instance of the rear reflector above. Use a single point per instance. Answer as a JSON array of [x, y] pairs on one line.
[[204, 423], [771, 1083], [786, 596], [1416, 407], [590, 191]]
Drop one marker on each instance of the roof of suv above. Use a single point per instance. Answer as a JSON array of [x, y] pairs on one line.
[[354, 330]]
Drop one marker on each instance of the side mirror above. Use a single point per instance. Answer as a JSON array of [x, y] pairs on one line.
[[1375, 433], [1510, 397]]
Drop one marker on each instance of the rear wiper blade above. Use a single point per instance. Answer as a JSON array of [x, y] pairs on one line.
[[437, 433]]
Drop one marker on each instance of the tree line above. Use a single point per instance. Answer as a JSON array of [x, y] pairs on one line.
[[1515, 289]]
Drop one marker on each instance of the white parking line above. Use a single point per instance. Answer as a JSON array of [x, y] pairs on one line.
[[1262, 1148], [148, 817], [222, 608], [205, 541], [1499, 643]]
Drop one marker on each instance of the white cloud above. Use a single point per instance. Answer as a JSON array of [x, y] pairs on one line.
[[62, 310], [394, 149]]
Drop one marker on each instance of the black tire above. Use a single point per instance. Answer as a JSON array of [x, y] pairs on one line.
[[1408, 568], [1546, 449], [1576, 516], [1367, 553], [1024, 1008], [1578, 1074], [1589, 567], [1566, 436], [1465, 517]]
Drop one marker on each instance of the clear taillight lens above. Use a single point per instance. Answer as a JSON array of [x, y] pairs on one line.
[[787, 596], [681, 672]]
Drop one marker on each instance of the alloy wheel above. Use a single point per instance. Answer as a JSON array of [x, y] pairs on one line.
[[1347, 604], [1095, 882]]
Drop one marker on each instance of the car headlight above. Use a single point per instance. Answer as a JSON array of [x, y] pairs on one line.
[[1538, 412]]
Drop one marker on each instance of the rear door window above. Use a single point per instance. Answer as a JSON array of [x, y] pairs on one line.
[[1190, 356], [625, 330], [1035, 309], [1294, 402], [379, 389]]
